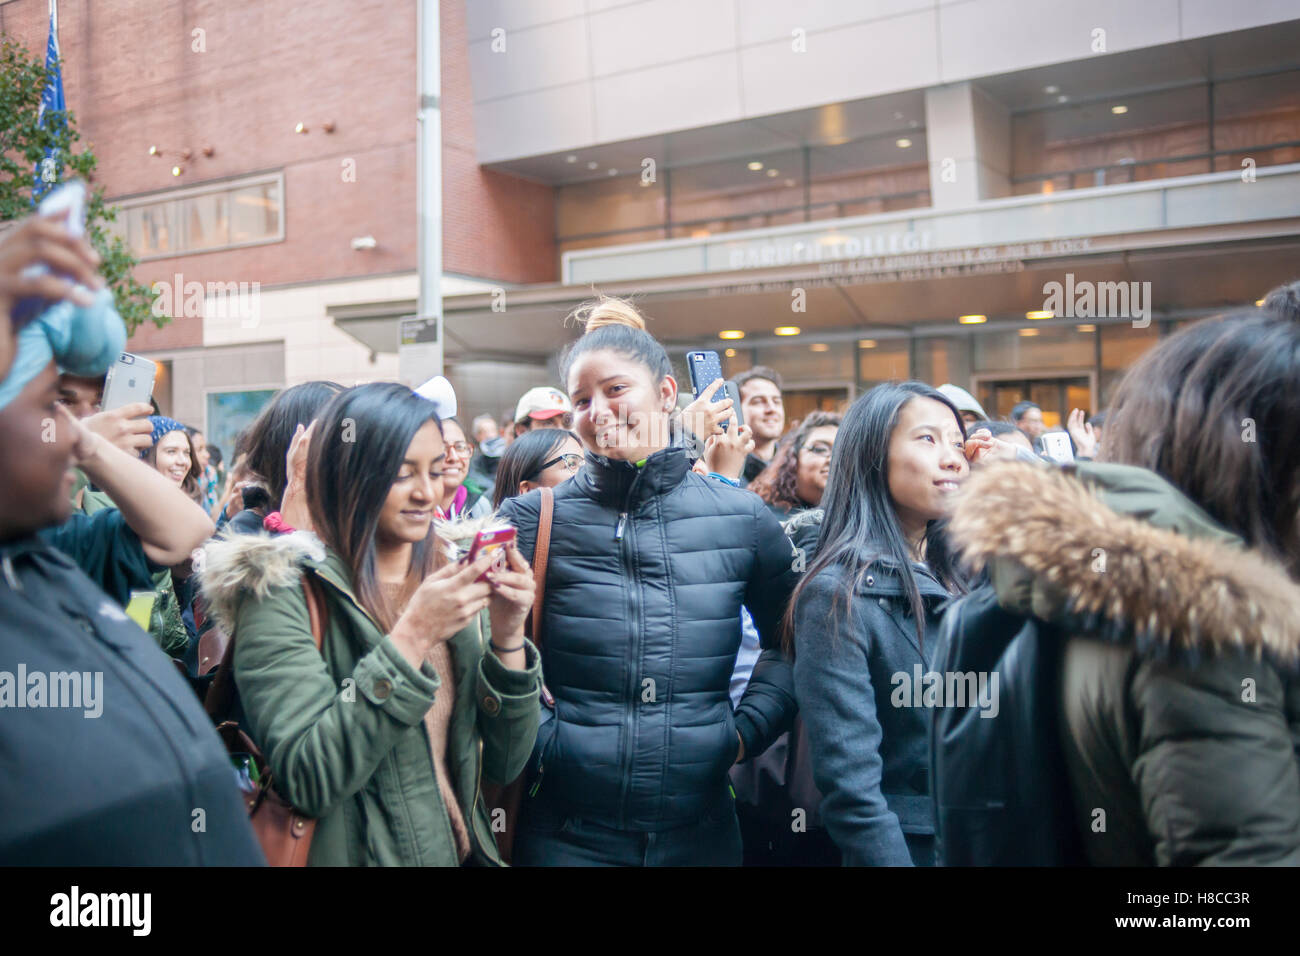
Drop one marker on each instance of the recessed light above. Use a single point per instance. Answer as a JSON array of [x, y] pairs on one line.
[[177, 170], [612, 172], [787, 330], [972, 319], [903, 143], [755, 165], [1051, 90], [1062, 98], [300, 128], [731, 334], [1085, 328], [1026, 333], [1119, 110], [570, 158], [592, 164], [1041, 314], [819, 347], [153, 150], [730, 353], [773, 173], [1259, 303], [866, 343]]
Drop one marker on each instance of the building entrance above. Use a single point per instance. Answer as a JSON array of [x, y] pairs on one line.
[[1055, 394]]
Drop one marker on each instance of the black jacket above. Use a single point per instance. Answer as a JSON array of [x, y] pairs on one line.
[[133, 776], [869, 739], [647, 573]]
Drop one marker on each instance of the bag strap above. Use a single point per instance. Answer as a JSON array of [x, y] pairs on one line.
[[220, 698], [541, 552]]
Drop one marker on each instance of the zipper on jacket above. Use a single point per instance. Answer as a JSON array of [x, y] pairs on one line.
[[627, 557]]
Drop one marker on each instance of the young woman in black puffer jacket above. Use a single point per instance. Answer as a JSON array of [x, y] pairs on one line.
[[649, 566]]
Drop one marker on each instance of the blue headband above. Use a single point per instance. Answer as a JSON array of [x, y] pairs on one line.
[[162, 425], [82, 340]]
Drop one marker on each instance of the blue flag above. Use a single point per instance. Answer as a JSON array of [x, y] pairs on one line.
[[47, 173]]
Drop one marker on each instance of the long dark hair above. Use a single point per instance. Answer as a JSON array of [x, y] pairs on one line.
[[776, 483], [1213, 410], [267, 440], [356, 453], [860, 523], [524, 456]]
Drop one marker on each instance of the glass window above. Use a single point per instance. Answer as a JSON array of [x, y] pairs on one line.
[[255, 212], [944, 360], [608, 205], [716, 194], [869, 176], [151, 229], [206, 222], [1121, 346], [1048, 348], [204, 219], [885, 361]]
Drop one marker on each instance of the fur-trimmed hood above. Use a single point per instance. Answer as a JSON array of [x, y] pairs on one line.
[[238, 565], [1117, 551]]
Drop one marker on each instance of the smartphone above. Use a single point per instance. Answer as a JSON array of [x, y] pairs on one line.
[[129, 380], [493, 541], [706, 368], [1057, 447], [69, 199], [140, 607]]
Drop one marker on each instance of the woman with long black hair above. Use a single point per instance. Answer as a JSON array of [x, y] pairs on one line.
[[649, 565], [866, 612], [433, 701], [539, 458]]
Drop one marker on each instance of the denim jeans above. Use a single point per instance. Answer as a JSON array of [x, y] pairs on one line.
[[550, 837]]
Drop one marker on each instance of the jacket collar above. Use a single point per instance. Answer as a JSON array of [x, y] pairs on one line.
[[623, 485], [1119, 552]]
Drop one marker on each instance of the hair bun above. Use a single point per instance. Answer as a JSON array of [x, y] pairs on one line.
[[607, 310]]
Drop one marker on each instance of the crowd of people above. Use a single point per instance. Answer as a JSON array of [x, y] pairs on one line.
[[727, 662]]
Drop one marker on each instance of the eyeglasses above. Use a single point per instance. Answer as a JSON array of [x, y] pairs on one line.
[[572, 462], [459, 447], [818, 449]]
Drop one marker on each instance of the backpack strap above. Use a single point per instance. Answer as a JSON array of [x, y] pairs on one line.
[[541, 552]]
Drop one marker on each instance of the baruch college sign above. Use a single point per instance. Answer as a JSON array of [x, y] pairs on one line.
[[765, 253]]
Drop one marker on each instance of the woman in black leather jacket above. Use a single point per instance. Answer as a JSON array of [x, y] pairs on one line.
[[649, 565]]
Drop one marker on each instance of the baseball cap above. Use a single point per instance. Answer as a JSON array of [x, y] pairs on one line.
[[542, 403], [963, 399], [439, 391]]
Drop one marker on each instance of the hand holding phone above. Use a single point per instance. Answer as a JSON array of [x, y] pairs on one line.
[[64, 209], [491, 541], [129, 380]]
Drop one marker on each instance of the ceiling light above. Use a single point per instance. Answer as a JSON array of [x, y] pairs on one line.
[[755, 165], [153, 151], [819, 347], [592, 164], [903, 143], [611, 172], [1259, 303], [1062, 98], [787, 330], [972, 319], [866, 343], [570, 158], [300, 128], [773, 173], [177, 170], [1085, 328], [1119, 110], [1026, 333], [731, 334], [1041, 314], [1051, 90], [898, 116], [730, 353]]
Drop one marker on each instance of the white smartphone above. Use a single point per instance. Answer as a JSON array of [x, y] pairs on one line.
[[129, 380], [1057, 447]]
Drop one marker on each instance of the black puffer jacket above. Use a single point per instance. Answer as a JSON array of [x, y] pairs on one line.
[[647, 573]]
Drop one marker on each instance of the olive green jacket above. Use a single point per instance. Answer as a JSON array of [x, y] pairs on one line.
[[343, 728], [1180, 704]]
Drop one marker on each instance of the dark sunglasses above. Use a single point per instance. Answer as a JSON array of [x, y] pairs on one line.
[[572, 462]]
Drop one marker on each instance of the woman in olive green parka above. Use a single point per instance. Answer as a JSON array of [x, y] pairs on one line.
[[424, 686]]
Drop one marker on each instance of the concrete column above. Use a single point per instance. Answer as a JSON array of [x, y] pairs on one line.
[[969, 135]]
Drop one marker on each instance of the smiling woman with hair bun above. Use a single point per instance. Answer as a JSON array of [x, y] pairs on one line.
[[649, 566]]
